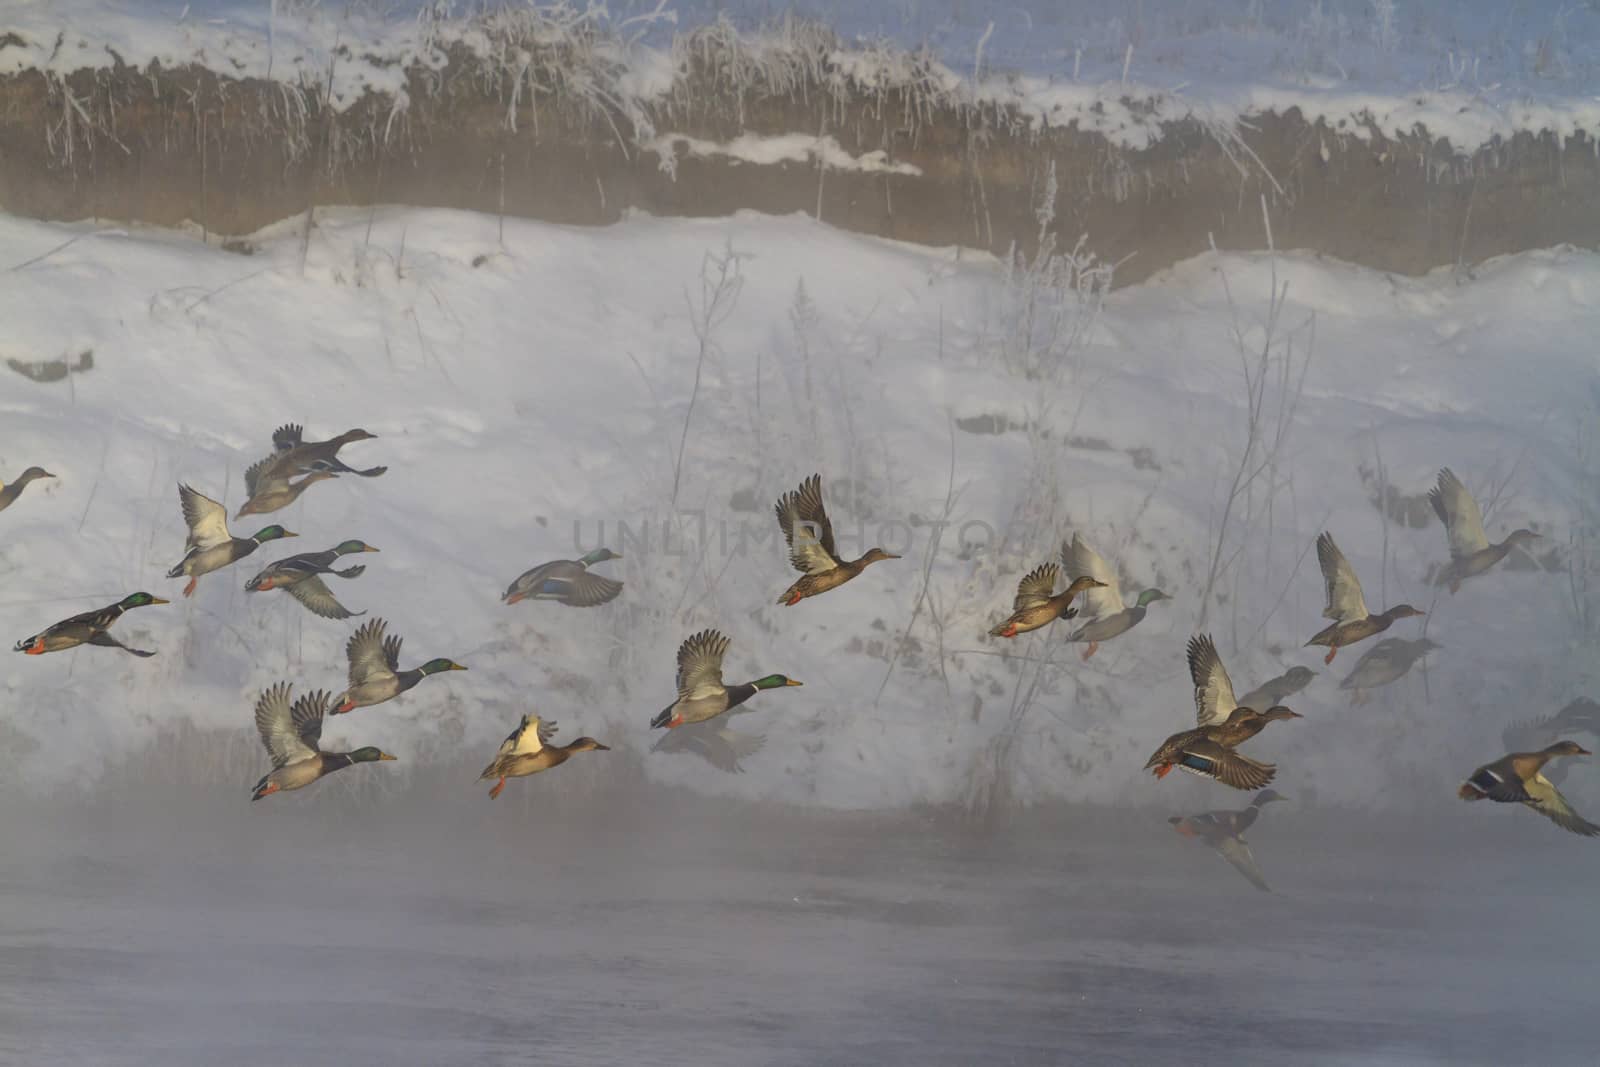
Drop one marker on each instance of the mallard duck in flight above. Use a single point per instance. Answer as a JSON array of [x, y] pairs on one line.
[[310, 456], [809, 534], [209, 546], [1346, 606], [299, 577], [89, 628], [1517, 779], [568, 581], [375, 674], [1471, 554], [1105, 614], [527, 750], [9, 493], [701, 694], [292, 735]]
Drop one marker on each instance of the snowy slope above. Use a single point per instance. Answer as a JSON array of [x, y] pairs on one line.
[[528, 389], [1467, 70]]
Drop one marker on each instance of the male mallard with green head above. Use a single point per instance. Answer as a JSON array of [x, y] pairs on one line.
[[311, 456], [1387, 661], [1106, 614], [299, 577], [567, 581], [1037, 604], [291, 735], [209, 546], [1518, 778], [1224, 831], [527, 750], [9, 493], [375, 674], [89, 628], [809, 534], [701, 694], [1346, 606], [1471, 554], [1208, 750]]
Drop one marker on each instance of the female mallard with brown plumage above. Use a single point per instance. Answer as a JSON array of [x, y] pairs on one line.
[[310, 456], [1208, 750], [1580, 716], [527, 750], [1037, 604], [1346, 605], [1106, 614], [292, 735], [89, 628], [9, 493], [809, 534], [1518, 779], [269, 487], [1470, 551]]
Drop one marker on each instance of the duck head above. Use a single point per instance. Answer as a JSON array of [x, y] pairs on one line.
[[272, 533], [1150, 596], [600, 555], [774, 681], [437, 666], [346, 548], [587, 744], [1280, 711], [875, 554], [141, 600], [369, 755], [1567, 748]]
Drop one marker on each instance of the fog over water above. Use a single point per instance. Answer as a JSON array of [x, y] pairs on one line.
[[640, 924]]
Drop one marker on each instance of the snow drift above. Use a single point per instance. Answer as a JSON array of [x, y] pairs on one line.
[[540, 390]]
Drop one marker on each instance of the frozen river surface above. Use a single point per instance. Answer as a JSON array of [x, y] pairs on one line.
[[656, 928]]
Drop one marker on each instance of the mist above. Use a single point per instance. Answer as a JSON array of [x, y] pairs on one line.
[[1199, 285]]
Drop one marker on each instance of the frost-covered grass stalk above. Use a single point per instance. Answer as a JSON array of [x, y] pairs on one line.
[[1273, 374]]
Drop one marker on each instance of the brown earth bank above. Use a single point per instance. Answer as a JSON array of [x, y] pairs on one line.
[[166, 146]]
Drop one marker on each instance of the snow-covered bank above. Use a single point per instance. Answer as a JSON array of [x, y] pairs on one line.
[[531, 383], [1467, 72]]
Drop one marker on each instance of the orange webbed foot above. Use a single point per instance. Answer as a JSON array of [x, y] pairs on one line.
[[1332, 652], [1163, 770], [37, 648], [188, 590], [1093, 645], [498, 786]]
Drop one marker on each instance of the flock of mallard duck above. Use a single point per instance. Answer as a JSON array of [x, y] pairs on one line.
[[291, 728]]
